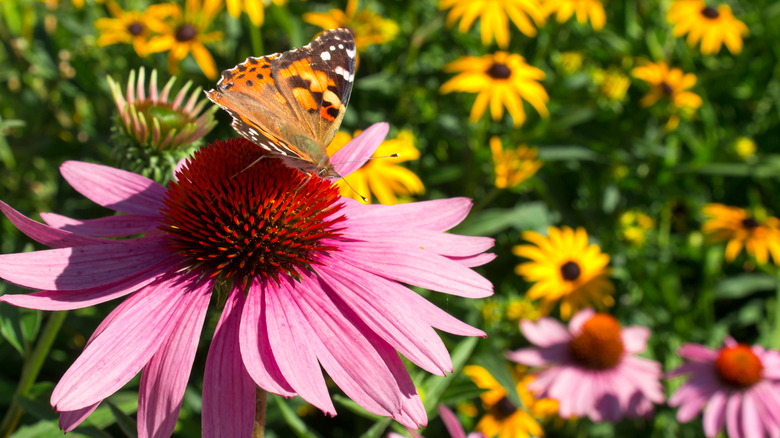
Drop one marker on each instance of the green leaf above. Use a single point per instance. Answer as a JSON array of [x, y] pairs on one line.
[[567, 153], [743, 285], [19, 326], [293, 420], [531, 215], [127, 424], [378, 429], [434, 386]]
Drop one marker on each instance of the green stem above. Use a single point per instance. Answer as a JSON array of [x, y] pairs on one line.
[[261, 402], [257, 40], [776, 333], [30, 369]]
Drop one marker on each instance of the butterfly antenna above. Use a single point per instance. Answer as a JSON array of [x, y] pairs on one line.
[[370, 158], [353, 189]]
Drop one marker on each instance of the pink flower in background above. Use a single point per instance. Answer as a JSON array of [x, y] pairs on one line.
[[313, 280], [590, 367], [737, 387], [450, 422]]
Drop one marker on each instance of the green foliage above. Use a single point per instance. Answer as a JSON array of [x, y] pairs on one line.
[[601, 158]]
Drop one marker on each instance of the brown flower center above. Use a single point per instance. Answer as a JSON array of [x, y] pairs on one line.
[[667, 89], [499, 71], [710, 12], [135, 28], [598, 346], [186, 32], [570, 271], [503, 409], [739, 366], [749, 223], [237, 222]]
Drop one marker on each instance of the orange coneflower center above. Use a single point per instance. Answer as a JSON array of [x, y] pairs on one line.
[[503, 409], [239, 222], [598, 346], [570, 271], [739, 366], [185, 33], [749, 223], [710, 12], [499, 71], [135, 28]]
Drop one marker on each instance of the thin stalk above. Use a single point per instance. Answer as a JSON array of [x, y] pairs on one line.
[[261, 402], [30, 369], [776, 332], [257, 40]]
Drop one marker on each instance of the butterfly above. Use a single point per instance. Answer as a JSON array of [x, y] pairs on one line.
[[291, 104]]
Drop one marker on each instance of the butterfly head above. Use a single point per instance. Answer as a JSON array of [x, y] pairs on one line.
[[325, 170]]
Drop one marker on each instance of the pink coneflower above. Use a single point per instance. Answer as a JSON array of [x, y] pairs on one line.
[[591, 367], [313, 280], [737, 386]]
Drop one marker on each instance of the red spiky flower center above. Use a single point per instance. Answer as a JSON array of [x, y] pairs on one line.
[[265, 220], [598, 345]]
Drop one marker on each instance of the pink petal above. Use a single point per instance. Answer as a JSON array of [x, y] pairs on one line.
[[289, 336], [474, 261], [452, 245], [377, 305], [228, 390], [124, 347], [634, 339], [116, 189], [69, 420], [44, 234], [109, 226], [715, 414], [82, 267], [545, 332], [352, 156], [78, 299], [580, 318], [164, 378], [255, 345], [752, 424], [697, 353], [416, 267], [451, 422], [531, 357], [437, 215], [349, 358], [733, 415]]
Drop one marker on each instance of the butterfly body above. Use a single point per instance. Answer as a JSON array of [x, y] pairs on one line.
[[291, 104]]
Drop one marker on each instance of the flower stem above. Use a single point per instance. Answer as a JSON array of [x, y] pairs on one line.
[[261, 402], [30, 369], [776, 333], [257, 40]]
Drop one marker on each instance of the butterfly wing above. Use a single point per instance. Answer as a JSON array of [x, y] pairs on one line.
[[291, 104], [317, 80]]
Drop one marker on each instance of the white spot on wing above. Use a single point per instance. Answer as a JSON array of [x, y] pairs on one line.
[[325, 56], [351, 53], [332, 48], [344, 73]]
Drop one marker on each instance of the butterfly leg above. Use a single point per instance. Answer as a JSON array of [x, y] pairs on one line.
[[248, 167]]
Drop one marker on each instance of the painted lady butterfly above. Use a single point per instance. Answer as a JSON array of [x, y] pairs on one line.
[[291, 104]]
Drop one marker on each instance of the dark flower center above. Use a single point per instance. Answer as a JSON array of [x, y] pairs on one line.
[[266, 220], [570, 271], [667, 89], [135, 29], [739, 366], [503, 409], [749, 223], [185, 32], [499, 71], [598, 346], [710, 12]]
